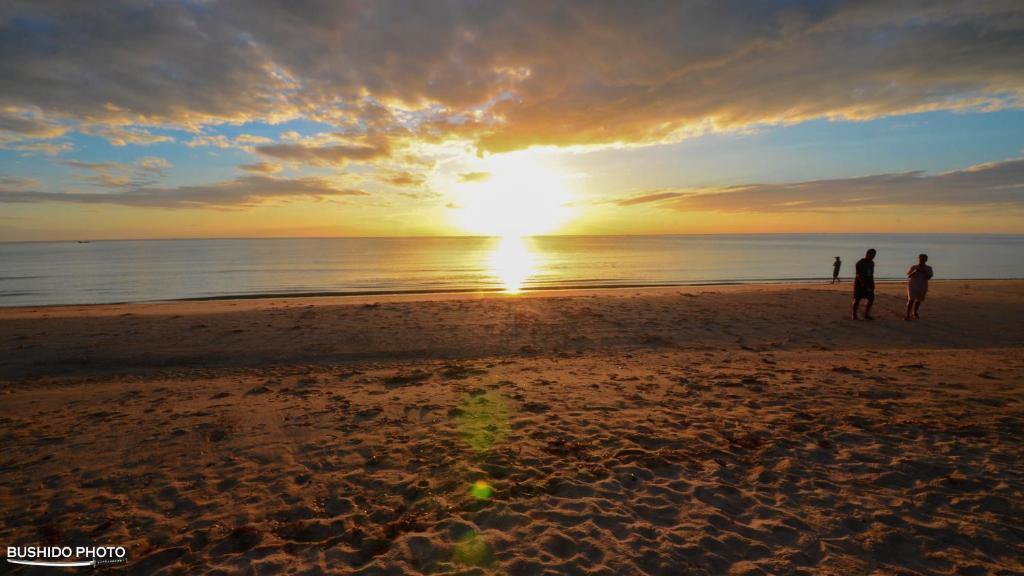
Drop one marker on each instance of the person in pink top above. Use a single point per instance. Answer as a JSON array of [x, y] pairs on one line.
[[917, 285]]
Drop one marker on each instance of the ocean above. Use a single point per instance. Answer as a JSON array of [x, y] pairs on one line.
[[39, 273]]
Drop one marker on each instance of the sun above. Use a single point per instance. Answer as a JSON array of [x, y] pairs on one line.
[[516, 194]]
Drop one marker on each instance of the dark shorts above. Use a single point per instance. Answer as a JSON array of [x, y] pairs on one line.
[[863, 292]]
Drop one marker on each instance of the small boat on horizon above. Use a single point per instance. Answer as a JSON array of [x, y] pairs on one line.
[[83, 241]]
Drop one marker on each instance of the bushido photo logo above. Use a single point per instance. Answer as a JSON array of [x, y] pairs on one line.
[[67, 556]]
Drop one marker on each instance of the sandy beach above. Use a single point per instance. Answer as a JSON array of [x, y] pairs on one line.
[[679, 430]]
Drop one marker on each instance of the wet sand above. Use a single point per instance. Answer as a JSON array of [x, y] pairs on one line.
[[703, 430]]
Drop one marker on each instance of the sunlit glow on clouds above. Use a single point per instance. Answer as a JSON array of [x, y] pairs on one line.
[[460, 117]]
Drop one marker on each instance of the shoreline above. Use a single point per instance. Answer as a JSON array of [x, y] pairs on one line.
[[498, 292], [58, 341]]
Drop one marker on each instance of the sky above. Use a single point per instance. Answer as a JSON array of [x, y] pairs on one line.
[[216, 118]]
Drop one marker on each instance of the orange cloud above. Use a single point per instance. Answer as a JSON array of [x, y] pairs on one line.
[[329, 155], [992, 184], [243, 191], [402, 178], [262, 167], [143, 172], [502, 75], [473, 176]]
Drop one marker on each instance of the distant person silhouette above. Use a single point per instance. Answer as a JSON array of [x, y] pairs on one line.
[[917, 285], [864, 284], [835, 269]]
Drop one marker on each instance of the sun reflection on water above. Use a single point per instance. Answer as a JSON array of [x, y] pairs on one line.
[[512, 262]]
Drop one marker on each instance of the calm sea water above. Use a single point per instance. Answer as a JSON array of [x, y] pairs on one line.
[[130, 271]]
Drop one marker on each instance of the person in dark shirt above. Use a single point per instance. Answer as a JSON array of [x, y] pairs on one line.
[[835, 269], [917, 286], [864, 284]]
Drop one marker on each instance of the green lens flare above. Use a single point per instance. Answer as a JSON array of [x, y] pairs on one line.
[[482, 421], [481, 490], [472, 549]]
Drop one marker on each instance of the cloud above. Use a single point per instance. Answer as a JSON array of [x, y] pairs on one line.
[[504, 75], [402, 178], [22, 124], [25, 130], [984, 185], [48, 148], [153, 164], [262, 167], [221, 141], [465, 177], [215, 140], [648, 198], [143, 172], [421, 195], [124, 135], [243, 191], [91, 165], [10, 182], [250, 139], [328, 155]]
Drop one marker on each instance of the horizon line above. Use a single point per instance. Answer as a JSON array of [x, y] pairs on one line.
[[453, 236]]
